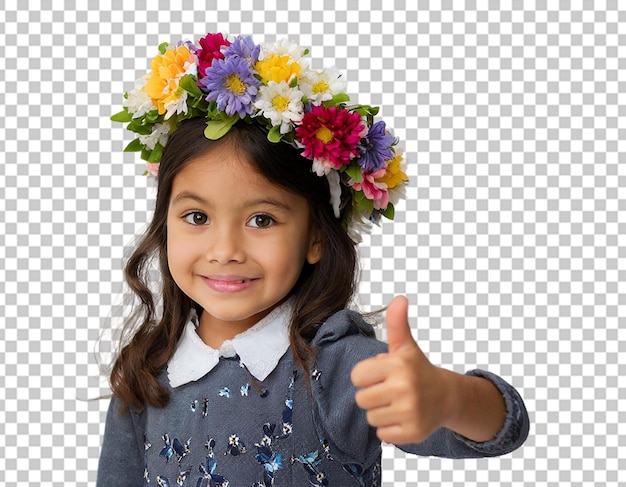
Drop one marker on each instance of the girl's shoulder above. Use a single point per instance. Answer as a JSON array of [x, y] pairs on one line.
[[342, 324], [347, 332]]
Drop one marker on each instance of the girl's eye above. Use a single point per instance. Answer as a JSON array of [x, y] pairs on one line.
[[261, 221], [196, 218]]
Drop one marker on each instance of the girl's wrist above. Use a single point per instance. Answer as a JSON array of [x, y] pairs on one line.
[[476, 409], [454, 399]]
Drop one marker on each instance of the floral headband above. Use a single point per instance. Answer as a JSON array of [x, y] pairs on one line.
[[226, 81]]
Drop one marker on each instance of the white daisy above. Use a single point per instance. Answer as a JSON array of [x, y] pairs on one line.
[[138, 102], [158, 135], [321, 167], [280, 104], [334, 185], [191, 68], [283, 47], [176, 106], [322, 84]]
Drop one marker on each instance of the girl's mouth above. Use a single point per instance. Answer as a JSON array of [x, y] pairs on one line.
[[228, 284]]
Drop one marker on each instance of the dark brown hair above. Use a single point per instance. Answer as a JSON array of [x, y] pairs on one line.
[[321, 290]]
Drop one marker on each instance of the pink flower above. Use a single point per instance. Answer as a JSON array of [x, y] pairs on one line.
[[153, 168], [374, 190], [210, 49], [330, 136]]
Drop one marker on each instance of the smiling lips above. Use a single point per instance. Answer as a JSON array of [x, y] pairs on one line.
[[228, 284]]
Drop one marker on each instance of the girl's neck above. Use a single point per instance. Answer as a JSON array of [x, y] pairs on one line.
[[214, 332]]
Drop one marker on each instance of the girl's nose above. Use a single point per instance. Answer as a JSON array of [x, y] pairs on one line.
[[225, 246]]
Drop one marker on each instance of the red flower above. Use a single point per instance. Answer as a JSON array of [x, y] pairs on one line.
[[210, 50], [330, 135]]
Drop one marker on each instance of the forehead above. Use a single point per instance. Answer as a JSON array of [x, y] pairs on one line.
[[222, 173]]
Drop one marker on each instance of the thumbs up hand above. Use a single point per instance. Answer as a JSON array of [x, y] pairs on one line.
[[406, 397]]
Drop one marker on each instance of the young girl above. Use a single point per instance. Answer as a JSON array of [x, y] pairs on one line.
[[254, 373]]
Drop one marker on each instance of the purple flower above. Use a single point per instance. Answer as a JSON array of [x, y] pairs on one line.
[[231, 83], [189, 45], [375, 148], [244, 47]]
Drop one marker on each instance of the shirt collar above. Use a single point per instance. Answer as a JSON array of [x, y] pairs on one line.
[[259, 348]]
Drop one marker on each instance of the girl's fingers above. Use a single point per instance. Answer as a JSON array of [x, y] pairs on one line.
[[382, 417], [371, 371], [398, 435], [375, 396]]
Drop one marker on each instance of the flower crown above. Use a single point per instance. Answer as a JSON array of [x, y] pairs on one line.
[[272, 85]]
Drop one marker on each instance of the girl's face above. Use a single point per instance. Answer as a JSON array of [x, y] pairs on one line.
[[236, 243]]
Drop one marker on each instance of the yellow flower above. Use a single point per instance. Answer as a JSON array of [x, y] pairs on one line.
[[394, 175], [167, 69], [277, 68]]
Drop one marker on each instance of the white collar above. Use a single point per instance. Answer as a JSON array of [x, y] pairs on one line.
[[260, 348]]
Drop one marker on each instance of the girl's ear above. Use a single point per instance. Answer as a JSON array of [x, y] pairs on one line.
[[314, 253]]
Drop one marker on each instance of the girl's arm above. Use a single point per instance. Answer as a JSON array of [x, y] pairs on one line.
[[444, 442], [121, 459], [477, 409], [407, 398]]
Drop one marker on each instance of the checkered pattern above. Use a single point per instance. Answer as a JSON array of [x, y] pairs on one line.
[[510, 245]]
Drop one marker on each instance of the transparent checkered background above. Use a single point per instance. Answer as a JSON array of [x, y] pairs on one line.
[[511, 245]]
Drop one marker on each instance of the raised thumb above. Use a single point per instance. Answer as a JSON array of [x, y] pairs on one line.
[[398, 329]]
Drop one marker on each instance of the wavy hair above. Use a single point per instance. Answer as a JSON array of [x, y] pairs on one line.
[[148, 341]]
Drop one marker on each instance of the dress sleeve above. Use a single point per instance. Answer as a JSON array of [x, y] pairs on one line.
[[446, 443], [339, 421], [121, 458]]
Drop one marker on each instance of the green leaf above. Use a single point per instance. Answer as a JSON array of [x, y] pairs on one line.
[[289, 137], [363, 204], [122, 116], [212, 112], [215, 129], [389, 212], [157, 152], [138, 127], [354, 171], [152, 116], [163, 47], [134, 146], [336, 100], [294, 82], [340, 98], [274, 134], [189, 83], [364, 110], [197, 103]]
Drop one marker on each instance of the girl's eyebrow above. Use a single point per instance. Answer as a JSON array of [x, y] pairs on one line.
[[188, 195]]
